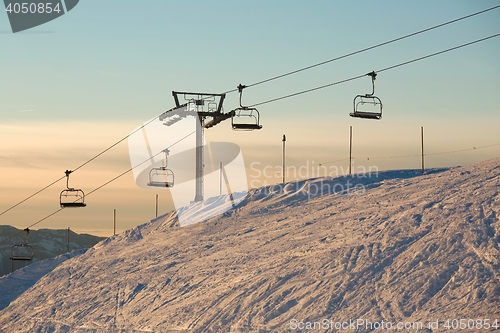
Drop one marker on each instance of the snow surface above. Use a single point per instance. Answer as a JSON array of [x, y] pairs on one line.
[[19, 281], [402, 247]]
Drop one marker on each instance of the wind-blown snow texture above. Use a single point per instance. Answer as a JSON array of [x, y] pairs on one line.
[[409, 249], [19, 281]]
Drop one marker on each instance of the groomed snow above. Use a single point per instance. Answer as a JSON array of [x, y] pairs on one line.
[[402, 247]]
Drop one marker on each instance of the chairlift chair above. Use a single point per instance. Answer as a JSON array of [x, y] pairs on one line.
[[162, 176], [368, 106], [71, 197], [21, 252], [245, 118]]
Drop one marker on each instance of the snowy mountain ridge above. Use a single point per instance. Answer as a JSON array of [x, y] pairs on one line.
[[398, 248]]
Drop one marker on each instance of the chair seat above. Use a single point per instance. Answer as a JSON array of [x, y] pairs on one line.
[[73, 204], [366, 115], [21, 258], [247, 126], [161, 184]]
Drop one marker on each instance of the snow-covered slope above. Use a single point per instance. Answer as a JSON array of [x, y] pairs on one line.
[[46, 243], [16, 283], [400, 249]]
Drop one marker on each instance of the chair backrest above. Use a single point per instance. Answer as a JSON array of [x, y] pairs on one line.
[[367, 107], [21, 252], [161, 177], [72, 198], [246, 119]]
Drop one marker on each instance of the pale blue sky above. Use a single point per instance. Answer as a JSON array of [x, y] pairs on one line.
[[121, 59], [75, 85]]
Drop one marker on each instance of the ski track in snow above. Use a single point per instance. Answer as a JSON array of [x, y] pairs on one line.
[[412, 248]]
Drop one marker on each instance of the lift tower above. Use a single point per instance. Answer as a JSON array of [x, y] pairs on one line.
[[207, 108]]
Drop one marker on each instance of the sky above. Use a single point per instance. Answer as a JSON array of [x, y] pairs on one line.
[[74, 86]]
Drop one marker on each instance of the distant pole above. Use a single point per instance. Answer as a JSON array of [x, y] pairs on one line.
[[114, 221], [68, 241], [220, 178], [422, 140], [284, 166], [156, 205], [350, 150]]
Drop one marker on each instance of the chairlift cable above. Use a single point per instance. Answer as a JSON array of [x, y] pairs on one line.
[[115, 144], [376, 157], [308, 90], [414, 155], [78, 167], [368, 48], [462, 150], [32, 195], [264, 81], [381, 70], [98, 188], [137, 165], [438, 53], [428, 154], [269, 101]]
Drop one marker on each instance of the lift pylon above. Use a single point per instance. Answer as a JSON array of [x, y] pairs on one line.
[[207, 109]]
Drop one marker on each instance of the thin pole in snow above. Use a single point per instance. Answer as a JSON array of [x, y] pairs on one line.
[[156, 211], [220, 178], [422, 140], [114, 221], [284, 166], [350, 150]]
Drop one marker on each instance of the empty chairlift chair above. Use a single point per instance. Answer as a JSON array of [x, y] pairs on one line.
[[368, 106], [21, 252], [162, 176], [71, 197], [245, 118]]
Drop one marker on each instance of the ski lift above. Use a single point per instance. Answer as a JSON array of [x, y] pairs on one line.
[[162, 176], [245, 118], [368, 106], [71, 197], [21, 252]]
